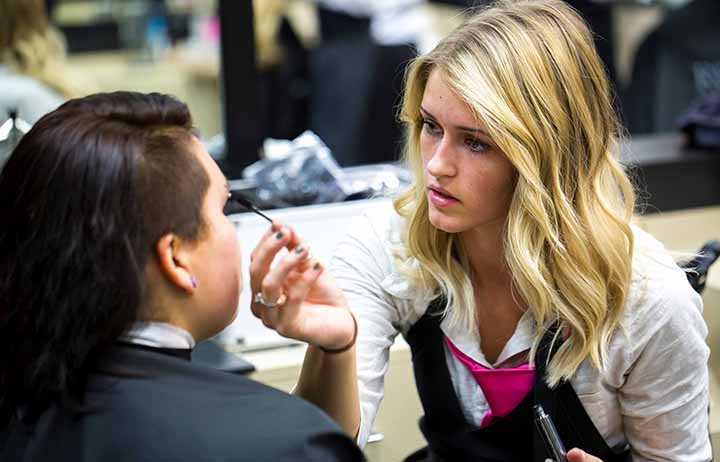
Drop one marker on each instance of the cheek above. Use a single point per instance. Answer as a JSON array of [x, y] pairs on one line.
[[501, 187], [226, 251], [232, 271], [489, 186], [509, 179], [232, 248]]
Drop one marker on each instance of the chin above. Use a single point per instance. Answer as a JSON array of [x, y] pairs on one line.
[[445, 223], [234, 314], [227, 316]]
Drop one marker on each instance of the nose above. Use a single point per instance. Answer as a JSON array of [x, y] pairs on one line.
[[441, 161]]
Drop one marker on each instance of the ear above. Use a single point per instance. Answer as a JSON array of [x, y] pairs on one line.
[[174, 261]]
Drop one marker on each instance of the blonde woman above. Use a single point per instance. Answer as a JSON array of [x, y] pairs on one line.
[[32, 75], [510, 267]]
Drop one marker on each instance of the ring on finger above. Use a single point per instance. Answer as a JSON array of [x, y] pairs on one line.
[[260, 298]]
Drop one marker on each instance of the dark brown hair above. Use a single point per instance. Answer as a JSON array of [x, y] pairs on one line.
[[83, 199]]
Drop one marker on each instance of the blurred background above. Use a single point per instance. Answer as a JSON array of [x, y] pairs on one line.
[[253, 70]]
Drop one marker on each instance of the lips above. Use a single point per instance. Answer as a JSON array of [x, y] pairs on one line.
[[443, 193], [441, 198]]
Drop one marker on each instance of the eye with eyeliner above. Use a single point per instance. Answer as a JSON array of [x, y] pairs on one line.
[[430, 126], [476, 144]]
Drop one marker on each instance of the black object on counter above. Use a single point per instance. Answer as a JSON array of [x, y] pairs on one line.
[[701, 122]]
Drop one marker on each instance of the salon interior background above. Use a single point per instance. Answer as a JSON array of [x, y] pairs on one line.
[[340, 73]]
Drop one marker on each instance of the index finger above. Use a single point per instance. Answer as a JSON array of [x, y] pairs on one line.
[[264, 253], [294, 238], [274, 228]]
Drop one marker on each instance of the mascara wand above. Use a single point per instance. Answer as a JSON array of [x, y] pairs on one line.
[[235, 196]]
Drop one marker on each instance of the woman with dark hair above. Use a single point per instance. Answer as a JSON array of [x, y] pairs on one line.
[[115, 258]]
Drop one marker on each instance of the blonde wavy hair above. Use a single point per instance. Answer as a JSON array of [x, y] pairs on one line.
[[30, 46], [530, 73]]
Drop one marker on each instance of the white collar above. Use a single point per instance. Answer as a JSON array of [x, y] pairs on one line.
[[469, 342], [158, 334]]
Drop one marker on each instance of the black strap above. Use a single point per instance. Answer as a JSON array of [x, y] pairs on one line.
[[424, 338], [444, 424], [449, 435], [562, 404]]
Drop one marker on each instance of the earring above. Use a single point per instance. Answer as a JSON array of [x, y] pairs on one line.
[[193, 281]]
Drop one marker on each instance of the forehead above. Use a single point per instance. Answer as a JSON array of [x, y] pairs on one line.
[[443, 102], [214, 173]]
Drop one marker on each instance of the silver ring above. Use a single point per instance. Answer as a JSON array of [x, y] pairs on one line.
[[260, 298]]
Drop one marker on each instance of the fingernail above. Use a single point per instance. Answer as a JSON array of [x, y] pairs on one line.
[[316, 266], [279, 235], [299, 249]]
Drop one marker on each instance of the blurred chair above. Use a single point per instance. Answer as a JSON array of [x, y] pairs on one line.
[[698, 267]]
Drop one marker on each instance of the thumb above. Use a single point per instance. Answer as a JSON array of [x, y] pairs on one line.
[[578, 455]]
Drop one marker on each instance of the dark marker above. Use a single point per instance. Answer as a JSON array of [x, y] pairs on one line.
[[549, 433]]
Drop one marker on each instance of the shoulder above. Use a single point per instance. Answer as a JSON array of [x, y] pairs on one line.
[[369, 244], [369, 260], [660, 301], [138, 374], [374, 250], [191, 408], [378, 224], [659, 289]]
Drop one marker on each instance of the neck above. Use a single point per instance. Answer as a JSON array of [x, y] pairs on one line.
[[485, 253]]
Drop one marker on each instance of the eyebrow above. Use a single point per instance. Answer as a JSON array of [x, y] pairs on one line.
[[426, 113]]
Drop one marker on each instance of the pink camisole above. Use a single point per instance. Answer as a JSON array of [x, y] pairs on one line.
[[504, 389]]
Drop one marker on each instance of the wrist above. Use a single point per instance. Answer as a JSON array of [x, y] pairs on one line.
[[347, 344]]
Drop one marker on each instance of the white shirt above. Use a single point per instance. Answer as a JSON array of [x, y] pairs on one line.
[[392, 22], [367, 8], [652, 394], [30, 97], [159, 335]]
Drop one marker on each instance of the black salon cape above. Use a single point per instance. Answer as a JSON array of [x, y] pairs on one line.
[[179, 411]]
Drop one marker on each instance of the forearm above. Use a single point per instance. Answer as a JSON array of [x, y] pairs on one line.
[[329, 380]]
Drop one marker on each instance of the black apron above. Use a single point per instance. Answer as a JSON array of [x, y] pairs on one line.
[[512, 438]]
